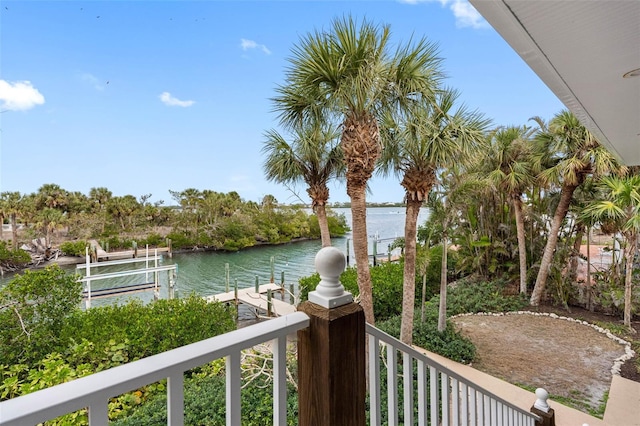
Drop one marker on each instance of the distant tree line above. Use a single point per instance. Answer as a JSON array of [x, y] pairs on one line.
[[202, 219]]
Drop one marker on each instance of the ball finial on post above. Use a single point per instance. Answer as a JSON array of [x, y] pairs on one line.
[[330, 263], [541, 401]]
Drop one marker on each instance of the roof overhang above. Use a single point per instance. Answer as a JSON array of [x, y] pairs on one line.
[[581, 50]]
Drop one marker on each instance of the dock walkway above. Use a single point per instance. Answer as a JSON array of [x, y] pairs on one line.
[[258, 300]]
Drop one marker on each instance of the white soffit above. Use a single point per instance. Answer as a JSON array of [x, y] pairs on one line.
[[581, 49]]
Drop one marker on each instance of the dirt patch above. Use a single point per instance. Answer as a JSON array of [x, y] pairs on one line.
[[566, 358]]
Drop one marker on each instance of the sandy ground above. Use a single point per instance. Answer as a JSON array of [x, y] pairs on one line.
[[564, 357]]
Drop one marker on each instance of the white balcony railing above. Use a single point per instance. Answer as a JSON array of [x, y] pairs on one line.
[[443, 397], [95, 390]]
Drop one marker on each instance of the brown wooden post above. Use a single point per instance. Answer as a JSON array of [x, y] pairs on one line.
[[331, 352]]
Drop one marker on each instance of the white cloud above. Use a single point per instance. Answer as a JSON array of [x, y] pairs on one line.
[[169, 100], [19, 96], [250, 44], [466, 15], [92, 80]]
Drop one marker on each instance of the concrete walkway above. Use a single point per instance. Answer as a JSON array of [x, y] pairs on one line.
[[522, 398]]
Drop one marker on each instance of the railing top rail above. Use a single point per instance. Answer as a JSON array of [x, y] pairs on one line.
[[127, 273], [96, 265], [77, 394], [390, 340]]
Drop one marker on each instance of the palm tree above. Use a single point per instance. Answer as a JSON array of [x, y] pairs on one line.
[[426, 139], [313, 156], [621, 205], [573, 154], [510, 168], [349, 75], [100, 198], [11, 206]]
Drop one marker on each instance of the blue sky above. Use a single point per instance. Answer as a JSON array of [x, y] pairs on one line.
[[145, 97]]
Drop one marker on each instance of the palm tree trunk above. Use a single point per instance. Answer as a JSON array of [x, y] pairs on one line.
[[552, 242], [522, 245], [442, 309], [575, 254], [588, 284], [361, 250], [629, 254], [409, 283], [14, 231], [325, 236]]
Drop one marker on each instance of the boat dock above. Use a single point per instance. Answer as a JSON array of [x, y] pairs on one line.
[[99, 254], [261, 300]]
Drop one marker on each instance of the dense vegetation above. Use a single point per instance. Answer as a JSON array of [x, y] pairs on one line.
[[202, 219], [46, 339]]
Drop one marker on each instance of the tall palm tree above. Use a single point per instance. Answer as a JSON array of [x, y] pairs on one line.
[[621, 205], [510, 168], [313, 156], [12, 205], [348, 73], [427, 138], [573, 153]]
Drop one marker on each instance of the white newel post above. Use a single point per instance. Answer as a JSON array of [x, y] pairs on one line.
[[331, 352]]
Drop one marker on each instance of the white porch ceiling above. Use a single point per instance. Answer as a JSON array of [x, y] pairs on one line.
[[581, 49]]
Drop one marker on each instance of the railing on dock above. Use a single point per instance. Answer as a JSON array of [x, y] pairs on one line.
[[88, 293]]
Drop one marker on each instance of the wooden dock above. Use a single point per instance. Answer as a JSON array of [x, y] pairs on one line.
[[101, 254], [257, 300]]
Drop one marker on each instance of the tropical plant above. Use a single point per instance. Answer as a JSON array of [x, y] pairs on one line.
[[427, 138], [510, 170], [313, 156], [11, 203], [349, 75], [569, 153], [621, 205]]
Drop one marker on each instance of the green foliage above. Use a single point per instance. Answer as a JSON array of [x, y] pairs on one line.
[[472, 297], [34, 308], [449, 343], [386, 279], [205, 404], [74, 248], [153, 240], [12, 258], [152, 328]]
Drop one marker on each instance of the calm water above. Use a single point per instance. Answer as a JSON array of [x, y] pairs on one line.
[[203, 273]]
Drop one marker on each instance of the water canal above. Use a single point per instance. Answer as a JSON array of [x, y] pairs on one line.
[[204, 273]]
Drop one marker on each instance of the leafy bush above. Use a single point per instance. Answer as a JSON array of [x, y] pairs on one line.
[[12, 258], [449, 343], [387, 282], [152, 328], [34, 307], [153, 240], [74, 248], [204, 399], [472, 297]]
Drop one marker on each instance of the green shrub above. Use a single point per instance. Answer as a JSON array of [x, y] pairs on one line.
[[204, 399], [179, 240], [449, 343], [74, 248], [34, 307], [152, 328], [473, 297], [12, 258], [153, 240], [387, 282]]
